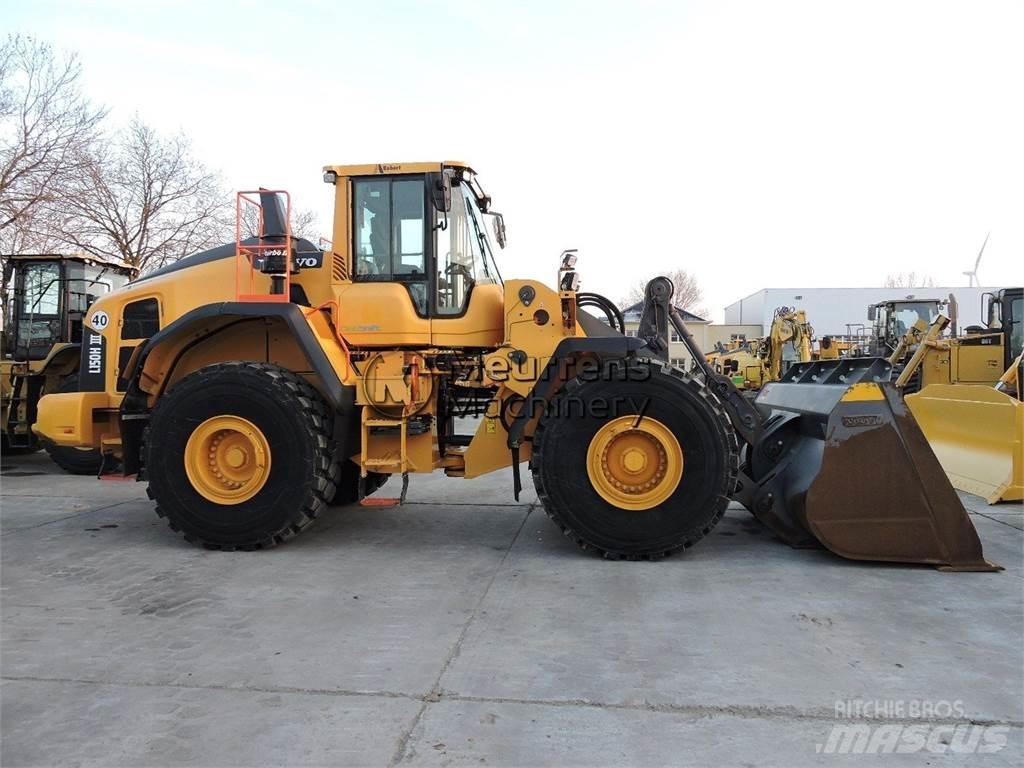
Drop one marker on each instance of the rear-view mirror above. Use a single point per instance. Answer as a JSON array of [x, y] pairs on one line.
[[988, 306], [498, 224], [440, 185]]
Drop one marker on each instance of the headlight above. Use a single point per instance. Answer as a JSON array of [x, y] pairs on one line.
[[570, 281]]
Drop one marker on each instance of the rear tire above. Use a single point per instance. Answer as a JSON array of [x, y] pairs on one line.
[[282, 496], [76, 461], [568, 483]]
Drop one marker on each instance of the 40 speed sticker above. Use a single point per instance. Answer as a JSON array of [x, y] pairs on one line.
[[99, 320]]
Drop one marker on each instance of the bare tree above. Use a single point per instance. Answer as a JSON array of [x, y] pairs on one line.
[[688, 294], [31, 232], [46, 126], [305, 223], [909, 280], [146, 200]]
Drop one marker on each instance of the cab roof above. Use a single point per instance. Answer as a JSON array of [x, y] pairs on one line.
[[85, 258], [912, 300], [378, 169]]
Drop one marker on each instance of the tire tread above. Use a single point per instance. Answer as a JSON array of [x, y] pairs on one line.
[[287, 387], [714, 407]]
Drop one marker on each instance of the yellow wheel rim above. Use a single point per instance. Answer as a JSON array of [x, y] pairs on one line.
[[634, 465], [227, 459]]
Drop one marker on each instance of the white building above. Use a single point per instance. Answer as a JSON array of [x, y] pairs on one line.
[[832, 310]]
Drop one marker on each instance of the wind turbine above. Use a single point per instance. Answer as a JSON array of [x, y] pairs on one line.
[[972, 276]]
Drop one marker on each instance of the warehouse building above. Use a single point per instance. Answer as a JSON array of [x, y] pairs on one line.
[[841, 311]]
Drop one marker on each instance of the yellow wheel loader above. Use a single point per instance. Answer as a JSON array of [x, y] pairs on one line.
[[973, 418], [46, 297], [254, 384], [892, 320]]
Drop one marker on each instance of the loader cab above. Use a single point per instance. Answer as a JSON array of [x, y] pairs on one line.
[[417, 256], [1004, 311], [46, 297], [892, 319]]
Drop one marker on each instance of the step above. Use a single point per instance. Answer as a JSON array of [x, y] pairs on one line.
[[382, 462], [379, 501]]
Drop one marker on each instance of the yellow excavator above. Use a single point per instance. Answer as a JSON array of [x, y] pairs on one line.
[[969, 403], [751, 364], [254, 384]]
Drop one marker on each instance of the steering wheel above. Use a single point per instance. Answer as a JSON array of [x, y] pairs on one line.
[[458, 269], [367, 266]]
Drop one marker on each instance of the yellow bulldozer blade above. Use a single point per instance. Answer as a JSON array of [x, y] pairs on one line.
[[977, 433]]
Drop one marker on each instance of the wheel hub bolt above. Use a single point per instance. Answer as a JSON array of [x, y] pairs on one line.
[[634, 460], [235, 457]]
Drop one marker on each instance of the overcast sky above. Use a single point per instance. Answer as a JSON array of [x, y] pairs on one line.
[[755, 144]]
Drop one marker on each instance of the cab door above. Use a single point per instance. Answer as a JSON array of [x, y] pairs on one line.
[[387, 303], [37, 309]]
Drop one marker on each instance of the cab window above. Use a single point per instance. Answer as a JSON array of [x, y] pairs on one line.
[[464, 257], [37, 320], [88, 283], [908, 314], [41, 295], [389, 234], [141, 319]]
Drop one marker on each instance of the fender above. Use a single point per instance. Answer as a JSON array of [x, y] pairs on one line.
[[215, 317], [612, 345], [198, 325], [59, 356]]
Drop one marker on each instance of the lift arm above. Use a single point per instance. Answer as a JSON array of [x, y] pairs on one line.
[[657, 313], [928, 340]]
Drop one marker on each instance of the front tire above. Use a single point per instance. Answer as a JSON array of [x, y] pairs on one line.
[[648, 474], [240, 455]]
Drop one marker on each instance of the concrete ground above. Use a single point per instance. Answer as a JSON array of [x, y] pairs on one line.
[[463, 629]]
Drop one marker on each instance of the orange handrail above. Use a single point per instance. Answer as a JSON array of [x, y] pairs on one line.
[[250, 252]]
